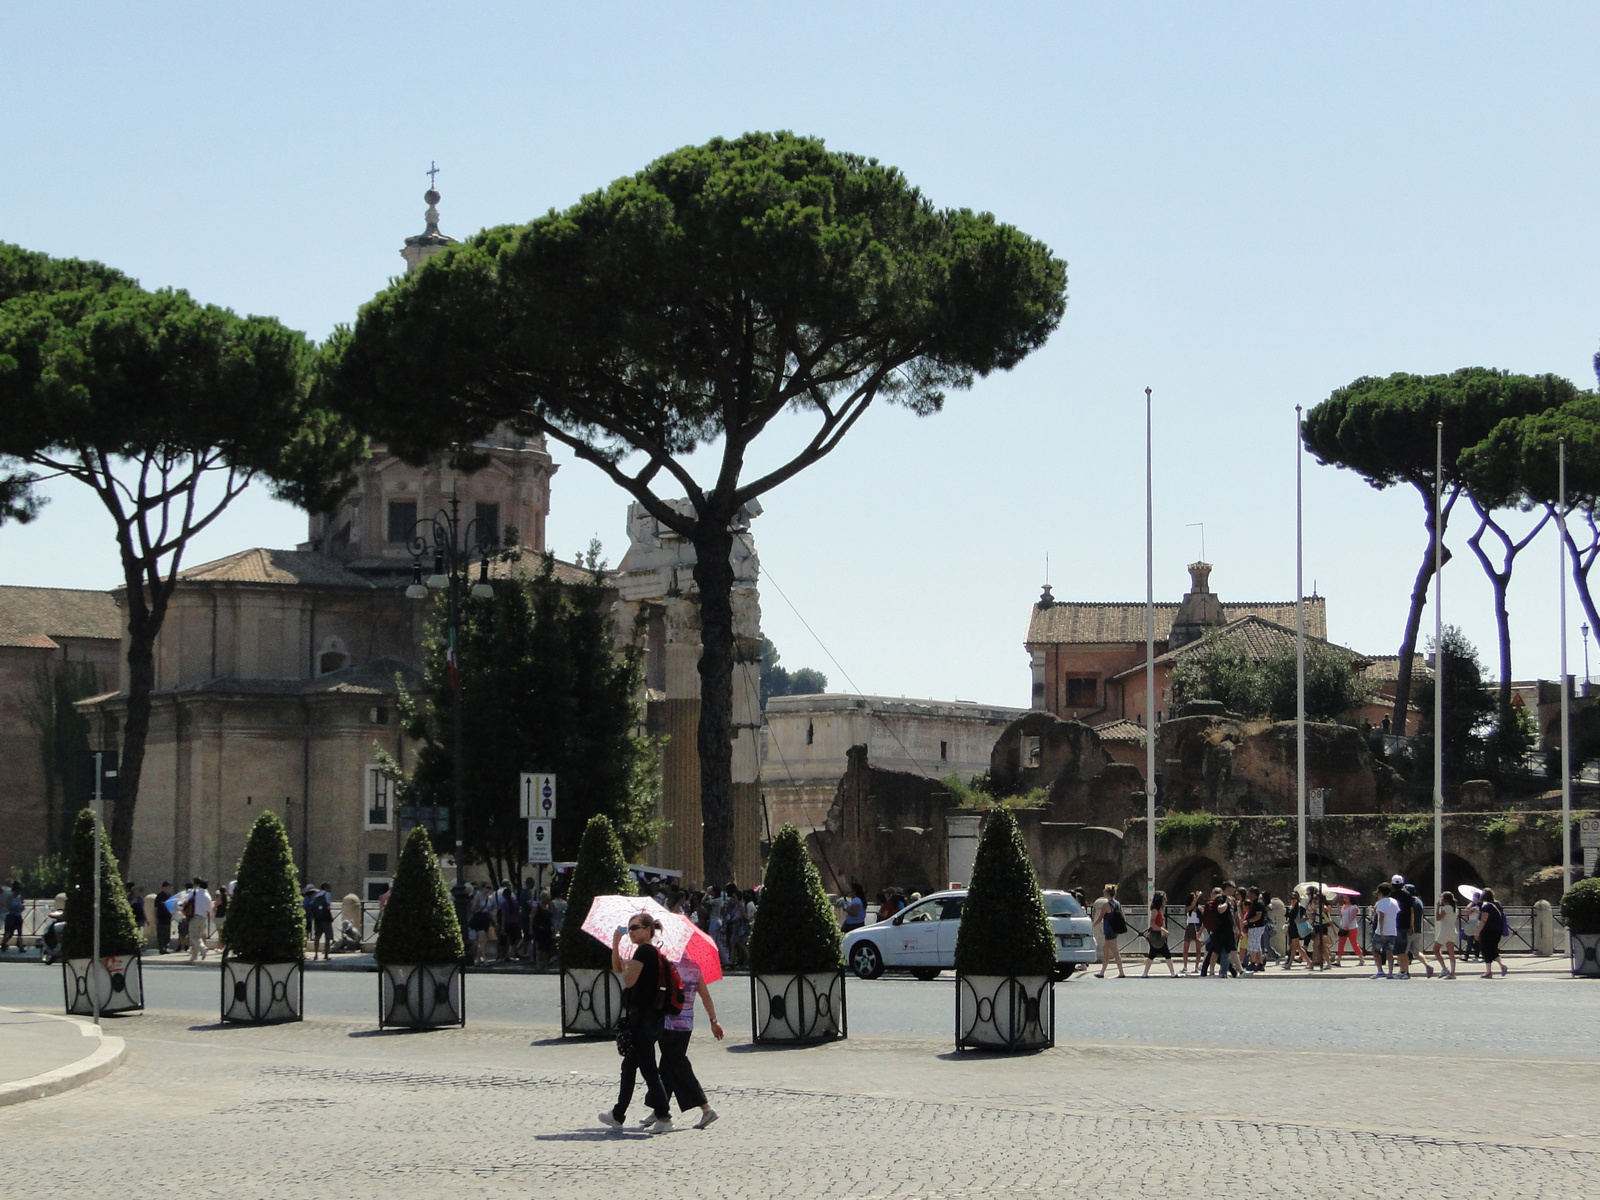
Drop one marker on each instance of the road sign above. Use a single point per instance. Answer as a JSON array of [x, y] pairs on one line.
[[538, 796], [1318, 798], [1589, 855], [1589, 833], [538, 840]]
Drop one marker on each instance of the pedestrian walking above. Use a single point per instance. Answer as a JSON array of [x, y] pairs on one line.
[[642, 1022], [1156, 935], [544, 927], [1225, 934], [677, 1074], [1299, 932], [481, 922], [1191, 932], [1112, 926], [1410, 936], [510, 923], [1320, 951], [1255, 930], [855, 911], [163, 915], [197, 911], [1444, 933], [1385, 924], [1348, 920], [321, 913], [1471, 923], [1490, 932], [14, 908]]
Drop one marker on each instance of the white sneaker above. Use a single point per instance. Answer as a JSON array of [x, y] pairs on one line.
[[706, 1118], [661, 1125], [648, 1121], [1380, 975], [608, 1118]]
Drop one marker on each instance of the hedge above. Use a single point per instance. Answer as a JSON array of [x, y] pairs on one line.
[[601, 870], [794, 930], [119, 931], [1004, 928], [1580, 907], [266, 921], [419, 923]]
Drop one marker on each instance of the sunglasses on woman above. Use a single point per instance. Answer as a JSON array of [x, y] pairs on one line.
[[636, 928]]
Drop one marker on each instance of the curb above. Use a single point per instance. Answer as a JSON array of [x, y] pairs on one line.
[[102, 1061]]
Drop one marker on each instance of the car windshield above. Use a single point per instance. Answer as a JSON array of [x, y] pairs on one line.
[[928, 910], [1063, 905]]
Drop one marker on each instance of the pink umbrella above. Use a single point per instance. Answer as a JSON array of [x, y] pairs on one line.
[[679, 938], [1341, 891]]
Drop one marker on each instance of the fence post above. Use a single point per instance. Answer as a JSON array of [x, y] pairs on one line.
[[1544, 929]]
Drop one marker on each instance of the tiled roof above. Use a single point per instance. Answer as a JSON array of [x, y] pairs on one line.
[[262, 565], [1091, 621], [1120, 730], [1386, 668], [1260, 639], [35, 616]]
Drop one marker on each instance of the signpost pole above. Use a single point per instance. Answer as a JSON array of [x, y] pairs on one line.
[[99, 776], [1566, 718]]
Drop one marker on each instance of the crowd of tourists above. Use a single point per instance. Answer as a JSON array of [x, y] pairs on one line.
[[1234, 932]]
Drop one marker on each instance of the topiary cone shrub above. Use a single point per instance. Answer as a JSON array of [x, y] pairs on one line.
[[1580, 907], [419, 923], [266, 922], [601, 870], [794, 931], [119, 932], [1004, 928]]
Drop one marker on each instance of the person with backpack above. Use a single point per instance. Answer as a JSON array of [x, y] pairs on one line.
[[677, 1075], [320, 911], [647, 980], [1409, 943], [1112, 926], [1156, 935], [1490, 932]]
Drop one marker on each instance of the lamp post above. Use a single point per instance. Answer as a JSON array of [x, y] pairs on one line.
[[452, 547]]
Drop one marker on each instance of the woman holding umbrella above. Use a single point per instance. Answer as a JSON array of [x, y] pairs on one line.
[[642, 1025]]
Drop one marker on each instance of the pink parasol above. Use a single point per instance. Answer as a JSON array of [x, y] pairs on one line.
[[1341, 891], [679, 938]]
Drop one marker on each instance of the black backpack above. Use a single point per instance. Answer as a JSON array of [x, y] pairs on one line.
[[320, 908], [1118, 922]]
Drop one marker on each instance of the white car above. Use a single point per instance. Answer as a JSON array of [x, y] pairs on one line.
[[921, 938]]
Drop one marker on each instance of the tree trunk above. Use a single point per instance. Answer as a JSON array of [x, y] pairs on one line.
[[1419, 600], [1580, 580], [713, 575], [1499, 582], [135, 728]]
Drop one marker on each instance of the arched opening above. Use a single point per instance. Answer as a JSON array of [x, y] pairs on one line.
[[1457, 871], [332, 657], [1192, 875], [1090, 874]]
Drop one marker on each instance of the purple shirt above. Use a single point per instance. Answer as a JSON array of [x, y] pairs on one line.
[[690, 975]]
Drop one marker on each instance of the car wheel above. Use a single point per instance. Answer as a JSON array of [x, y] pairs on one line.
[[926, 973], [1064, 971], [866, 961]]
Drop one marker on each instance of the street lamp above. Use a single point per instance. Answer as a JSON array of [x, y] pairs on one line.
[[452, 548], [1585, 628]]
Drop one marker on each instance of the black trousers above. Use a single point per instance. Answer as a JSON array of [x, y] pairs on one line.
[[677, 1074], [163, 935], [641, 1060]]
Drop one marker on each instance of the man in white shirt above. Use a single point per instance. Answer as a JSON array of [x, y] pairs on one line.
[[200, 919], [1386, 922]]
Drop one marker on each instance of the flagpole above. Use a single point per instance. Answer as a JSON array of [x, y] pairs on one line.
[[1566, 725], [1149, 665], [1438, 664], [1300, 640]]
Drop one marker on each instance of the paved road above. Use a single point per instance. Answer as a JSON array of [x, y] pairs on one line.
[[1540, 1012]]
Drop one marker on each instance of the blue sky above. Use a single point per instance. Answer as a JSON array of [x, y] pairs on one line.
[[1258, 203]]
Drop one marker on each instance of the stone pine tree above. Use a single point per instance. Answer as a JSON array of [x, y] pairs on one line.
[[119, 931], [752, 284], [1004, 927], [601, 870], [419, 924], [266, 921], [166, 409], [794, 931]]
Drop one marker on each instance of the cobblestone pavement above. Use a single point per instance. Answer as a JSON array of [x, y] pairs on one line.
[[334, 1109]]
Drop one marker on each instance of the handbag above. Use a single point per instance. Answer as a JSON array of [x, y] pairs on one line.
[[625, 1041], [1303, 928]]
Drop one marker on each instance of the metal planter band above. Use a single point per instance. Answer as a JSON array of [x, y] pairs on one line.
[[591, 1002], [1585, 950], [798, 1008], [262, 993], [421, 996], [117, 982], [1005, 1012]]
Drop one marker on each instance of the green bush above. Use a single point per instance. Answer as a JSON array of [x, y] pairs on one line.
[[265, 921], [1580, 907], [794, 930], [44, 879], [1190, 829], [1004, 928], [419, 923], [119, 932], [600, 870]]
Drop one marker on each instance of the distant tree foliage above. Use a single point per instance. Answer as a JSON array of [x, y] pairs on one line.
[[1469, 713], [542, 689], [777, 681], [1222, 670]]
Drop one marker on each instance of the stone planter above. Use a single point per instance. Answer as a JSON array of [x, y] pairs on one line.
[[117, 983], [798, 1008], [424, 996], [260, 993], [1005, 1012], [1585, 949], [591, 1002]]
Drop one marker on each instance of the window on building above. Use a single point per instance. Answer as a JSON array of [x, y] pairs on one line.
[[380, 790], [376, 888], [1031, 751], [380, 716], [1082, 693], [488, 518], [330, 661], [811, 733], [402, 520], [378, 862], [944, 751]]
